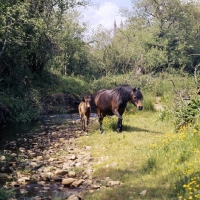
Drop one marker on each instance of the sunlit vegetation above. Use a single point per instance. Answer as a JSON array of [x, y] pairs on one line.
[[45, 50], [148, 155], [177, 155]]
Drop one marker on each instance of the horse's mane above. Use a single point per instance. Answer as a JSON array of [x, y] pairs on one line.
[[124, 91]]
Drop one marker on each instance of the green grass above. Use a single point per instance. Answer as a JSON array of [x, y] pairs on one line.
[[123, 157], [147, 155]]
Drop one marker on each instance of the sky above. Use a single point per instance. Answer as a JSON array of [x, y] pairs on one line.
[[105, 12]]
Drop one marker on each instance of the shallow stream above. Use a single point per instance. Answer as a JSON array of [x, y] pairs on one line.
[[15, 136]]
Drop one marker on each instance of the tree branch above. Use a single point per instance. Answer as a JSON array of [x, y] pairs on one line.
[[4, 44]]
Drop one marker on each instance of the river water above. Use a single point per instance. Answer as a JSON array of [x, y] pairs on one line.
[[13, 131]]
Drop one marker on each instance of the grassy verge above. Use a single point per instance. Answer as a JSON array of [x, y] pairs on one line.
[[123, 157], [147, 155]]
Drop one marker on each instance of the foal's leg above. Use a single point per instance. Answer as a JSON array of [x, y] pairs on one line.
[[119, 125], [81, 123], [84, 122], [100, 117]]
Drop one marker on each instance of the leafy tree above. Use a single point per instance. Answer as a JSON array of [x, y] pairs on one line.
[[173, 27], [29, 32], [72, 57]]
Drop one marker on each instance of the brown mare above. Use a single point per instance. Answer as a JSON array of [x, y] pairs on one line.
[[114, 101], [84, 109]]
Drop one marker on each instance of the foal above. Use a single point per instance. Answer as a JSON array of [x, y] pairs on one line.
[[84, 109]]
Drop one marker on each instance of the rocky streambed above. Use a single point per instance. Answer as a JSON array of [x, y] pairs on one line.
[[50, 165]]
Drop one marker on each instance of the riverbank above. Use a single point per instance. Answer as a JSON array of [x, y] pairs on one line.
[[49, 164]]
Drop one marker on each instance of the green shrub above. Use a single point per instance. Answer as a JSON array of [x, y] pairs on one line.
[[24, 109], [6, 194], [187, 114], [148, 104]]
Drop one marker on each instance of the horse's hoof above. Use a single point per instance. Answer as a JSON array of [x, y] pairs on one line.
[[119, 130]]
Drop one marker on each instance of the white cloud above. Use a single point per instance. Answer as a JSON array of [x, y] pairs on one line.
[[105, 15]]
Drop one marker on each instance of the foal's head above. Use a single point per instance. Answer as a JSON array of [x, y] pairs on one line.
[[87, 100], [136, 98]]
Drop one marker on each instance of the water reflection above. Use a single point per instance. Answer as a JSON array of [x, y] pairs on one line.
[[13, 131]]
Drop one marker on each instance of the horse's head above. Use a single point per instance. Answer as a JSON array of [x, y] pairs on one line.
[[136, 98], [87, 100]]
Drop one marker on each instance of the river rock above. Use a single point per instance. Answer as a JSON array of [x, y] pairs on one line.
[[66, 166], [73, 197], [143, 193], [89, 171], [46, 188], [49, 175], [73, 157], [43, 176], [61, 172], [3, 158], [41, 183], [31, 153], [77, 183], [3, 169], [37, 198], [23, 180], [33, 164], [14, 184], [78, 164], [112, 183], [13, 155], [52, 159], [71, 174], [95, 187], [68, 181], [23, 191]]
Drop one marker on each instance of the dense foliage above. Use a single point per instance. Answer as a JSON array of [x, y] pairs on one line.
[[188, 114], [42, 42]]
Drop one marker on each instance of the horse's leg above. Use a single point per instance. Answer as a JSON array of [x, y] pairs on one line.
[[115, 112], [101, 122], [119, 125], [100, 117]]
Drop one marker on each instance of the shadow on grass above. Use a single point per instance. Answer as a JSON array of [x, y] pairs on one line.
[[128, 128], [135, 129]]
